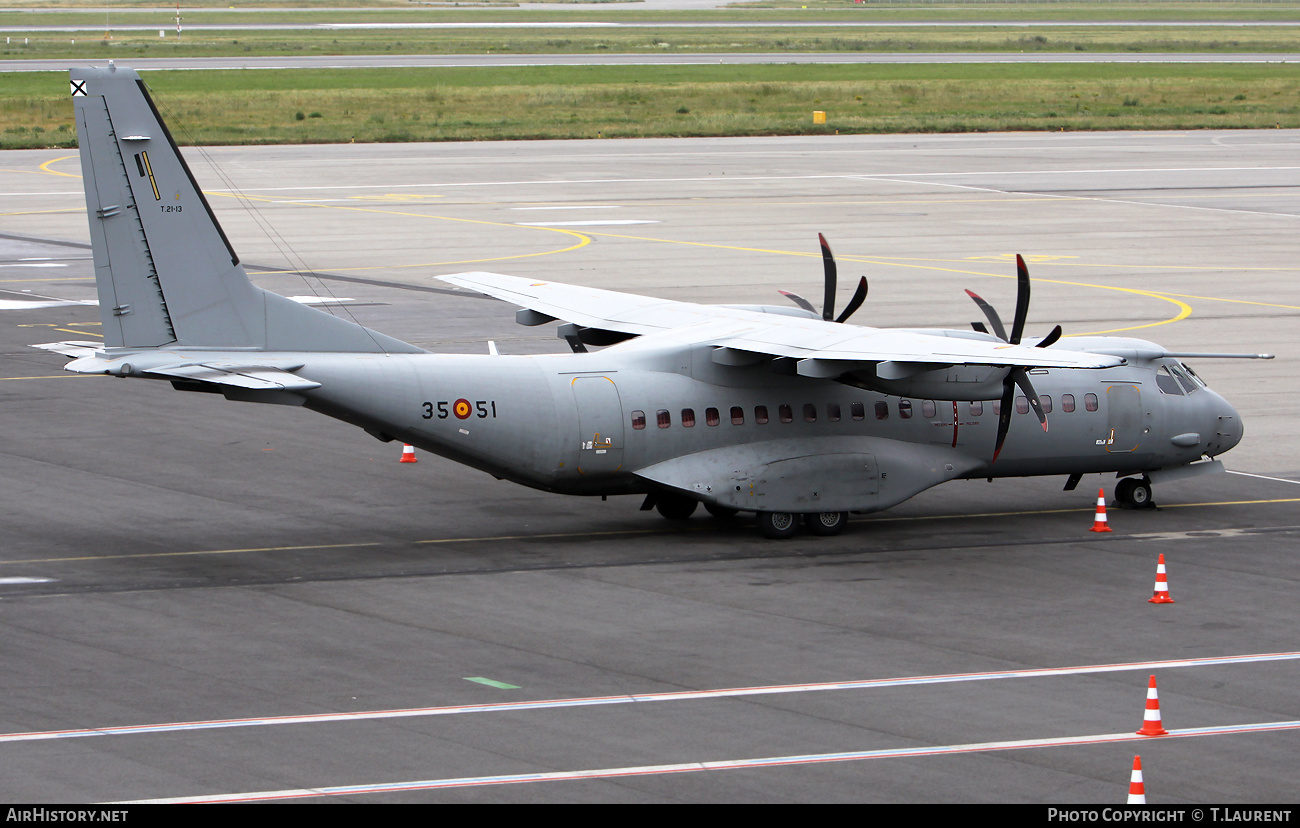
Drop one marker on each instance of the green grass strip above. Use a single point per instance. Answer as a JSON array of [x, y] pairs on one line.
[[393, 105]]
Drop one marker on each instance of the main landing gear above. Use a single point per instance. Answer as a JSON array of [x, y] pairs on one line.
[[1134, 493], [779, 525], [775, 525]]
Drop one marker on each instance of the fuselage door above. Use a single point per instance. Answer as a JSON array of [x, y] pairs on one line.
[[600, 425], [1124, 410]]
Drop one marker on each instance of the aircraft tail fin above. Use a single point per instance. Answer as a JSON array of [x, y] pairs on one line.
[[165, 271]]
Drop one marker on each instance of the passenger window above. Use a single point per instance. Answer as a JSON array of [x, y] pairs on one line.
[[665, 419], [737, 415], [1022, 405], [928, 409], [809, 413], [787, 415], [1047, 403], [760, 414], [1067, 403], [711, 416], [976, 409], [905, 409], [833, 412], [1090, 402], [857, 411], [688, 418], [882, 410], [638, 420]]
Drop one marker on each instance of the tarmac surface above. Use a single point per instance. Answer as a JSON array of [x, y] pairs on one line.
[[202, 598]]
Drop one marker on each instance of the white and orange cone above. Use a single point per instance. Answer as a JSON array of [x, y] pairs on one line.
[[1151, 718], [1161, 593], [1099, 523], [1137, 792], [408, 454]]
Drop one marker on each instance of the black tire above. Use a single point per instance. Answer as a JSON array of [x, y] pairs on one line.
[[778, 525], [1124, 491], [826, 523], [720, 512], [1134, 493], [675, 507]]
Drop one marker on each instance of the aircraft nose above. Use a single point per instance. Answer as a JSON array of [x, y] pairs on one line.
[[1226, 427]]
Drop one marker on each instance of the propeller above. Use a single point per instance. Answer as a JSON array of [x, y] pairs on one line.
[[828, 297], [1017, 376]]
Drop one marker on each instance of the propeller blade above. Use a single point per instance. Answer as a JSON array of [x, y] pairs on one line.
[[979, 327], [1022, 300], [859, 296], [1021, 378], [1004, 414], [1050, 338], [990, 314], [798, 300], [828, 264]]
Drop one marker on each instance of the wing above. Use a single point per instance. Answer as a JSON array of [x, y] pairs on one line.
[[742, 336]]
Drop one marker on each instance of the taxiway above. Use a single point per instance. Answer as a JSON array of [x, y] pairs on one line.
[[204, 598]]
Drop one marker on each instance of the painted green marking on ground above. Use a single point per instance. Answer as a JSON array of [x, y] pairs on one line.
[[500, 685]]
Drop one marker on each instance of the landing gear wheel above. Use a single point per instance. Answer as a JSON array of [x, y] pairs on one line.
[[1134, 493], [778, 525], [675, 507], [826, 523], [720, 512]]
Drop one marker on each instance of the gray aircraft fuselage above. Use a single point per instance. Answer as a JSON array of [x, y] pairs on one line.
[[563, 423]]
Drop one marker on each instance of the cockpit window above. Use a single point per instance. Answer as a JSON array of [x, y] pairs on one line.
[[1167, 383], [1185, 381], [1194, 375]]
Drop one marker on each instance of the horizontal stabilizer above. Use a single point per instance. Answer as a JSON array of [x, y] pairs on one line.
[[72, 348], [215, 371], [257, 377]]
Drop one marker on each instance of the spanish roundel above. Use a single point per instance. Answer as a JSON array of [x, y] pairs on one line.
[[462, 409]]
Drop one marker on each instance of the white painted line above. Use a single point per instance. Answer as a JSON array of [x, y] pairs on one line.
[[904, 177], [30, 304], [18, 580], [593, 223], [35, 264], [725, 764], [574, 207], [1264, 477], [679, 695]]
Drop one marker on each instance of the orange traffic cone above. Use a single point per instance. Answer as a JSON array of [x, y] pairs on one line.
[[1137, 793], [408, 454], [1099, 524], [1151, 718], [1161, 593]]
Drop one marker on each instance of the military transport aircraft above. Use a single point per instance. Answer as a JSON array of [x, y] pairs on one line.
[[777, 410]]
